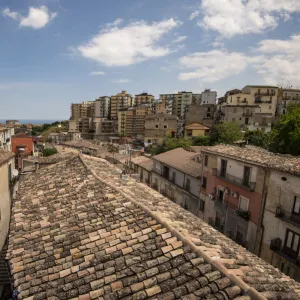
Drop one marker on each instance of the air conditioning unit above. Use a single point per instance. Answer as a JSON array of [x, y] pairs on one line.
[[227, 191], [235, 194]]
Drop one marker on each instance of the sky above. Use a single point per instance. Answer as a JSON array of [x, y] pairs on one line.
[[57, 52]]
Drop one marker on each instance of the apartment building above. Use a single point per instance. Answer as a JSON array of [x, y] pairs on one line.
[[142, 165], [14, 123], [203, 114], [208, 97], [160, 107], [287, 96], [234, 186], [158, 127], [281, 240], [85, 109], [176, 174], [5, 138], [6, 168], [120, 101], [102, 107], [131, 121], [102, 128], [144, 98]]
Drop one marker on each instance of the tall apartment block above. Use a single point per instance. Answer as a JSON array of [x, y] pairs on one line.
[[120, 101], [131, 121], [82, 110], [102, 107], [144, 98]]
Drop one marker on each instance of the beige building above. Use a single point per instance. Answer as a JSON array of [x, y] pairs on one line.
[[281, 241], [103, 128], [158, 127], [286, 97], [131, 121], [102, 107], [203, 114], [144, 98], [6, 167], [85, 109], [176, 174], [120, 101], [6, 134], [142, 165]]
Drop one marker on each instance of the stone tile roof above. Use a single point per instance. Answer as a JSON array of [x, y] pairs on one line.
[[253, 273], [144, 162], [5, 156], [284, 163], [73, 236], [81, 144], [181, 160]]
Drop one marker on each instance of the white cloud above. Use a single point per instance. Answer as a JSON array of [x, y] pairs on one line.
[[136, 42], [179, 39], [8, 13], [37, 17], [280, 60], [122, 80], [96, 73], [213, 65], [194, 15], [217, 44], [233, 17]]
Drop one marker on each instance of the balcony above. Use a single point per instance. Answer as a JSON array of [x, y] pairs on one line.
[[154, 186], [267, 93], [243, 214], [286, 97], [237, 181], [247, 114], [287, 216]]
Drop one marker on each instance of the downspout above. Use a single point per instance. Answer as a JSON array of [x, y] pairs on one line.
[[261, 217]]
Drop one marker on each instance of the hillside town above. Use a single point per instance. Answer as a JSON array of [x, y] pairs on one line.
[[90, 209]]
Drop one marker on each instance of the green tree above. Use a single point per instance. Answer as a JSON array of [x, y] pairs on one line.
[[285, 138], [201, 141], [258, 138], [49, 151], [226, 133]]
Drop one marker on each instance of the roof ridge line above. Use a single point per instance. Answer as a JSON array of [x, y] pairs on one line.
[[247, 290]]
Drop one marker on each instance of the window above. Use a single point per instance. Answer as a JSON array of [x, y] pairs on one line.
[[156, 126], [204, 181], [165, 126], [201, 206], [258, 92], [246, 121], [220, 195], [296, 207], [173, 176], [291, 243], [223, 167], [246, 175], [243, 203], [188, 184], [270, 106], [234, 110], [205, 160], [149, 141]]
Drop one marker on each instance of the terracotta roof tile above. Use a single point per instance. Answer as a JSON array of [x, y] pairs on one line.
[[144, 162], [181, 160], [284, 163], [75, 236]]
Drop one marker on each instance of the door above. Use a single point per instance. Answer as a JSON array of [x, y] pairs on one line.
[[223, 167], [246, 176], [220, 195]]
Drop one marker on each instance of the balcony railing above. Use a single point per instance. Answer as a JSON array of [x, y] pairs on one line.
[[248, 185], [287, 216], [247, 114], [243, 214], [268, 93]]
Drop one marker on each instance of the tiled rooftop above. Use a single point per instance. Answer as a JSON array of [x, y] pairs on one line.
[[81, 144], [220, 250], [73, 236], [144, 162], [5, 156], [284, 163], [181, 160]]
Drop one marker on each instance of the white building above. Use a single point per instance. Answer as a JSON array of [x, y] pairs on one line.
[[5, 138], [6, 167], [208, 97]]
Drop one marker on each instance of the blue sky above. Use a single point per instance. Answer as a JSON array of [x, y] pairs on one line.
[[55, 52]]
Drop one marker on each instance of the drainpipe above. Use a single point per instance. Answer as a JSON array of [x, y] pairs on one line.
[[261, 217]]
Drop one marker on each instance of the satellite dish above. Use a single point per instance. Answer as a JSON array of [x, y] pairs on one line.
[[15, 172]]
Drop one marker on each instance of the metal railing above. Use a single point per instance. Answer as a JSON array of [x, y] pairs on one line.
[[237, 181], [247, 114], [287, 216], [268, 93]]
